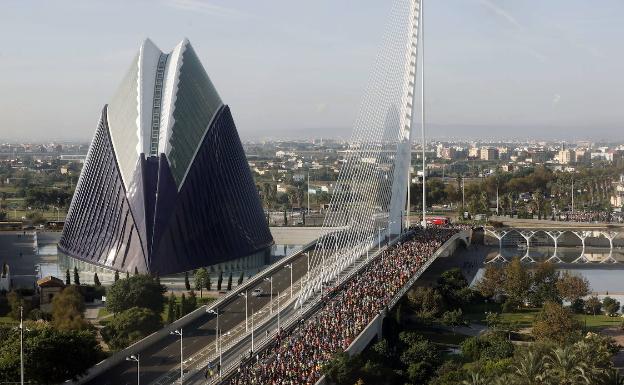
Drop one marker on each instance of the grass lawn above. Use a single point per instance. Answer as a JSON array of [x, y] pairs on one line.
[[524, 318], [8, 321], [599, 321], [102, 312], [442, 336]]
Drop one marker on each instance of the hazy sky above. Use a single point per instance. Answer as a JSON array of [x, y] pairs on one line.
[[521, 68]]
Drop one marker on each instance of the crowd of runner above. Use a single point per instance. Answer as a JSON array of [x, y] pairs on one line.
[[588, 216], [297, 356]]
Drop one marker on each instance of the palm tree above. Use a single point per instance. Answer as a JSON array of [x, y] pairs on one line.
[[529, 369], [563, 367], [510, 198], [484, 203], [475, 379], [538, 203], [612, 377]]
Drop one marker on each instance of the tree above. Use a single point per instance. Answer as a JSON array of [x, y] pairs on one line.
[[555, 323], [454, 288], [171, 305], [593, 305], [517, 282], [129, 326], [544, 287], [493, 281], [342, 369], [187, 284], [76, 277], [50, 356], [136, 270], [572, 287], [201, 278], [241, 278], [564, 367], [453, 318], [427, 302], [229, 284], [220, 281], [16, 301], [137, 291], [191, 302], [116, 276], [610, 305], [96, 280], [208, 284], [183, 305], [67, 277], [529, 367], [67, 309], [420, 356]]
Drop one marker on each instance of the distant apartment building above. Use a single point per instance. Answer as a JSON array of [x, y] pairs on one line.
[[602, 155], [474, 153], [539, 156], [567, 156], [504, 153], [448, 153], [582, 155], [489, 153]]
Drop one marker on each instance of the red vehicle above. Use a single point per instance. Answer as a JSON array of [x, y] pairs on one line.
[[438, 221]]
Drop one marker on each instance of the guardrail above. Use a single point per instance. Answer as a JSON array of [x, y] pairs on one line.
[[148, 341]]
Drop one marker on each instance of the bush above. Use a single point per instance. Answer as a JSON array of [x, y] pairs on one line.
[[555, 323], [578, 306], [130, 326], [509, 306], [136, 291], [67, 309]]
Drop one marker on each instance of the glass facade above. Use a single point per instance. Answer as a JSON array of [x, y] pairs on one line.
[[123, 113], [195, 206], [196, 103]]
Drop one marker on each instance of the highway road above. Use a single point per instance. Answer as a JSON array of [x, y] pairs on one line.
[[163, 357]]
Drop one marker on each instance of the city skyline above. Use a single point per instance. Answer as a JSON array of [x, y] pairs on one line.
[[544, 70]]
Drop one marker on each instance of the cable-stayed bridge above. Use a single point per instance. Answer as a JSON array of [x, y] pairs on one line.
[[368, 213]]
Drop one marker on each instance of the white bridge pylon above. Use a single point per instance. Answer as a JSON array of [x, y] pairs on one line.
[[370, 198]]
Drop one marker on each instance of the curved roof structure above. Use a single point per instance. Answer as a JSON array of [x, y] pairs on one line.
[[165, 187]]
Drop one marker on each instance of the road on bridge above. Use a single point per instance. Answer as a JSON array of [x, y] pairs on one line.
[[164, 356]]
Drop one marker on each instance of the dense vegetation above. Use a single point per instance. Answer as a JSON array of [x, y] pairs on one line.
[[549, 191], [554, 348]]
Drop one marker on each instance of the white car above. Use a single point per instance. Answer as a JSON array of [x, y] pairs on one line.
[[256, 292]]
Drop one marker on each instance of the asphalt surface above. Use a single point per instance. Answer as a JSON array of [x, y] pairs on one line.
[[164, 356], [17, 249]]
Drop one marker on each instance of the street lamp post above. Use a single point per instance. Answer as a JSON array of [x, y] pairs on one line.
[[137, 359], [252, 330], [245, 294], [278, 311], [290, 266], [216, 312], [22, 344], [178, 332], [270, 279]]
